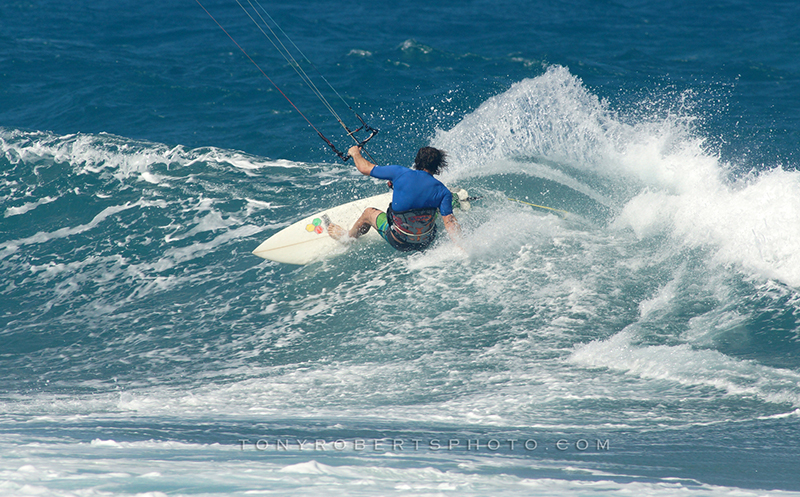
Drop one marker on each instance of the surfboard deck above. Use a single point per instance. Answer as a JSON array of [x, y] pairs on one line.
[[308, 241]]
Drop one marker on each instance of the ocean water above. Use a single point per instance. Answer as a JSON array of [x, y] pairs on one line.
[[646, 344]]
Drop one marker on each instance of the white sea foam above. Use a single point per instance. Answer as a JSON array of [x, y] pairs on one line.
[[661, 173], [120, 157], [108, 467], [684, 365], [43, 237], [754, 222], [28, 206]]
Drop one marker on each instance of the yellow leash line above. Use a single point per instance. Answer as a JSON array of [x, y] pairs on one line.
[[561, 213]]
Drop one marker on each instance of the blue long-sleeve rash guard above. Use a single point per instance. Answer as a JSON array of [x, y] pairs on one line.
[[415, 189]]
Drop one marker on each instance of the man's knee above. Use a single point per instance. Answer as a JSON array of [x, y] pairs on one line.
[[367, 220], [370, 215]]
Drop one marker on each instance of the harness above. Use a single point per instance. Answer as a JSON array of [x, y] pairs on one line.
[[413, 229]]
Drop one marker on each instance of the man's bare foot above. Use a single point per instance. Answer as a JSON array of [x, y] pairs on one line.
[[337, 232], [334, 230]]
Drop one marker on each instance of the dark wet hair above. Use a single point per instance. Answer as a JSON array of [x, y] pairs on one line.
[[431, 159]]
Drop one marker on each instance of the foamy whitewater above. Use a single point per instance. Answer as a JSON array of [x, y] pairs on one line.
[[644, 344]]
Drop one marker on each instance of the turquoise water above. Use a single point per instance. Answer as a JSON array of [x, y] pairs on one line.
[[646, 344]]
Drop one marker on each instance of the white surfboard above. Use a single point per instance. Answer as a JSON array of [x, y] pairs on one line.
[[307, 240]]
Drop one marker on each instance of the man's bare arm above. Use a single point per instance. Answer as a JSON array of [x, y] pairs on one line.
[[452, 227], [363, 165]]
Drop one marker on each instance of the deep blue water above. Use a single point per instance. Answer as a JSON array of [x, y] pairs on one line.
[[646, 344]]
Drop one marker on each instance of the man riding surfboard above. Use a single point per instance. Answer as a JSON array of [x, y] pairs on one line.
[[410, 220]]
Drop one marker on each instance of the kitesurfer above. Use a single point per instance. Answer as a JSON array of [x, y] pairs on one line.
[[410, 220]]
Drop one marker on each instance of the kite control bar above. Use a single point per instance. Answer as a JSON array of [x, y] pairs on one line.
[[365, 127]]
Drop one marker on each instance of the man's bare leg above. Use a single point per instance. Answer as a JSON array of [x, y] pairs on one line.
[[368, 219]]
